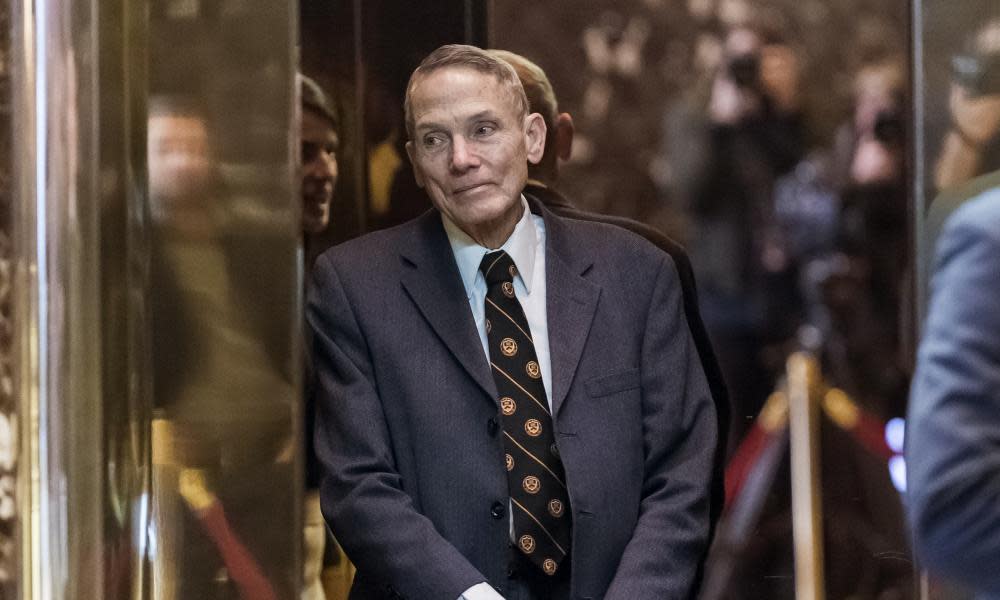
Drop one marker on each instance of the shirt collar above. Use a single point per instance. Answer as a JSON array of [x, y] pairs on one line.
[[520, 246]]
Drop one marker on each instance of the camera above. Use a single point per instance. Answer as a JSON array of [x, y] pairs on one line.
[[744, 70], [978, 73], [889, 127]]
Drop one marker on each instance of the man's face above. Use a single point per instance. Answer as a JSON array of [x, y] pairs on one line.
[[319, 170], [179, 162], [471, 147]]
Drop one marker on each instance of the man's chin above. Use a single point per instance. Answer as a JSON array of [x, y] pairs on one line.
[[314, 223]]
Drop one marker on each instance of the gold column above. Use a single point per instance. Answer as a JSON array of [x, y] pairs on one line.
[[86, 245]]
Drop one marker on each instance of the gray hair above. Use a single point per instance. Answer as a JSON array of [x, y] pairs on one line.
[[471, 57]]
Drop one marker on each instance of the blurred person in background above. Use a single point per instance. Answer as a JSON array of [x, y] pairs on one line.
[[319, 144], [181, 173], [221, 460], [728, 158], [970, 152], [840, 234], [971, 146]]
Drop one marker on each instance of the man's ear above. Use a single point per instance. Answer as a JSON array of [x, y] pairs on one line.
[[564, 136], [534, 132], [413, 162]]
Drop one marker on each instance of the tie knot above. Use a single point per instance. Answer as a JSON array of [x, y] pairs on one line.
[[497, 267]]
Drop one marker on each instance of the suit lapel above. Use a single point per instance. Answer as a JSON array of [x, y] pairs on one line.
[[571, 302], [431, 278]]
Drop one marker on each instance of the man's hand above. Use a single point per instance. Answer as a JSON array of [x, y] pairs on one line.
[[730, 103], [874, 162]]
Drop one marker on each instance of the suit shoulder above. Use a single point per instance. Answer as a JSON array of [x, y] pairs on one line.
[[654, 236], [371, 251], [981, 213], [610, 240]]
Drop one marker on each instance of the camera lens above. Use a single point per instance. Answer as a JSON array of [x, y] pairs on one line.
[[744, 70]]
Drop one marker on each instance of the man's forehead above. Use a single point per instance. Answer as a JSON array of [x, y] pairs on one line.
[[316, 125], [457, 88]]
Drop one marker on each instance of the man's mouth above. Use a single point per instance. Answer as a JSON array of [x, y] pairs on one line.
[[466, 188]]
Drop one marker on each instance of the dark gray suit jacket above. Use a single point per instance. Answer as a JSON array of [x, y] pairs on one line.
[[953, 437], [413, 481]]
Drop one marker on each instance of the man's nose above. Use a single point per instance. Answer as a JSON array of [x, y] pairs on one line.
[[323, 166], [463, 154]]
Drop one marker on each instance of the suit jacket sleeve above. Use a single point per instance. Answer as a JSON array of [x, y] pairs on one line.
[[953, 438], [377, 523], [679, 433]]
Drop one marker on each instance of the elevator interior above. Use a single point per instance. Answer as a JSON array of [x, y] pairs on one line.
[[152, 267]]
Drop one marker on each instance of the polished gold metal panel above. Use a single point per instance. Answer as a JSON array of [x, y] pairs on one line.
[[225, 291], [119, 306]]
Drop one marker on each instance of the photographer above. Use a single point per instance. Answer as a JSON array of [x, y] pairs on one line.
[[749, 133], [971, 146], [841, 230]]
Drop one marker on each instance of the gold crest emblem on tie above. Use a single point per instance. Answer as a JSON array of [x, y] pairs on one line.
[[555, 508], [510, 462], [533, 427], [508, 346], [549, 566], [554, 450], [531, 484], [508, 406], [508, 289], [527, 544], [533, 371], [489, 326], [512, 270]]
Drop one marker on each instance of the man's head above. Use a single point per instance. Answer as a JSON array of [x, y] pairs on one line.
[[319, 156], [179, 155], [471, 138], [542, 100]]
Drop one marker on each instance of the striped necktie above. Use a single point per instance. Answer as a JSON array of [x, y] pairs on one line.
[[535, 475]]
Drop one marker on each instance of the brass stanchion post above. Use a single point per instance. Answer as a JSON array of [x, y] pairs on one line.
[[807, 510]]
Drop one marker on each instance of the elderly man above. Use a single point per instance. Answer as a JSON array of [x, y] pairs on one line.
[[510, 403]]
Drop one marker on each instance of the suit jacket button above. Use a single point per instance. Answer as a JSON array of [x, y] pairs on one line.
[[497, 510], [492, 427]]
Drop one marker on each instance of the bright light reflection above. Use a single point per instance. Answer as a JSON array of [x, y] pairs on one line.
[[897, 472], [895, 431]]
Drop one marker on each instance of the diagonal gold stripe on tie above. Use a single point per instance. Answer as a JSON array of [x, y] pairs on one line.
[[526, 334], [536, 459], [528, 512], [500, 255], [501, 371]]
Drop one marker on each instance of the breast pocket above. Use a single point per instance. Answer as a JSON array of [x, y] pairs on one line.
[[613, 383]]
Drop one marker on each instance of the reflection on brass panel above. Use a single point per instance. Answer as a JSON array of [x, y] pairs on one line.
[[225, 289]]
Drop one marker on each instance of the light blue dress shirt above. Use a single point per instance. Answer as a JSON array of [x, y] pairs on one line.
[[526, 247]]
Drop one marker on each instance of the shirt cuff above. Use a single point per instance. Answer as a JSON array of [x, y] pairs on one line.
[[481, 591]]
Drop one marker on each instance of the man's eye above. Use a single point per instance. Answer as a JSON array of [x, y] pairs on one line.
[[433, 141], [310, 151], [485, 130]]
